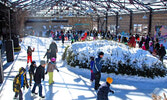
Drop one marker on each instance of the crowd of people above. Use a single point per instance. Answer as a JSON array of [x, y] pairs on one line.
[[144, 42], [148, 43], [38, 73]]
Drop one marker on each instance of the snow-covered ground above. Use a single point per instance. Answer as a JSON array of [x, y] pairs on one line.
[[73, 83]]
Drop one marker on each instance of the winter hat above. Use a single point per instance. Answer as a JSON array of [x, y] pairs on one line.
[[22, 70], [92, 58], [33, 62], [53, 59], [42, 62], [109, 80], [101, 53]]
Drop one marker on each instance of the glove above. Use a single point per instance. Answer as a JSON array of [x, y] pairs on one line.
[[112, 92], [57, 70], [46, 72]]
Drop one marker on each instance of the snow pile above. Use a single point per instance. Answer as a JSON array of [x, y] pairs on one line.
[[118, 58]]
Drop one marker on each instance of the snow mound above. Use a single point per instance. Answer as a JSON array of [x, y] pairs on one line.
[[118, 58]]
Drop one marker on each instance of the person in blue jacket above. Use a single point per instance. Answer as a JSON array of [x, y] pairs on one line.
[[97, 69], [91, 65], [104, 89]]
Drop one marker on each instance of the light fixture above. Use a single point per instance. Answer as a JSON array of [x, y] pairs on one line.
[[60, 17], [120, 18], [89, 10], [144, 17], [70, 14]]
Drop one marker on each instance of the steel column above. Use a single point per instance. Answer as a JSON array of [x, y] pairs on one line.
[[131, 21], [116, 23], [150, 22], [98, 23], [106, 21]]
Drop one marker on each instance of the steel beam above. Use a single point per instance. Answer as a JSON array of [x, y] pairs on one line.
[[131, 21], [106, 22], [116, 23]]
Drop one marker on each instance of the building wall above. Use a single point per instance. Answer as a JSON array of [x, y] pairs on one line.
[[78, 23], [158, 18]]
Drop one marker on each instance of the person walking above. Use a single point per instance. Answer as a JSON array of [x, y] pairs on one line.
[[104, 89], [91, 65], [20, 81], [97, 69], [62, 37], [29, 54], [32, 71], [53, 50], [151, 47], [48, 55], [157, 46], [50, 69], [39, 75], [162, 52], [143, 46]]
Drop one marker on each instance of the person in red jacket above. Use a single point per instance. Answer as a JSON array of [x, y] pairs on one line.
[[29, 54]]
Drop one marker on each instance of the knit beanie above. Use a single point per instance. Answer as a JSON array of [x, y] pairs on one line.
[[33, 62], [101, 53], [42, 62], [109, 80]]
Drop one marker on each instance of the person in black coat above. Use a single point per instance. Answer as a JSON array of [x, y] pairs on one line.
[[39, 75], [62, 37], [53, 50], [48, 55], [31, 71], [162, 52], [104, 89], [157, 46]]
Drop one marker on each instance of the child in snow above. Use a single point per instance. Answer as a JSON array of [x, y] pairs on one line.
[[20, 81], [31, 71], [38, 76], [104, 89], [29, 54], [47, 54], [51, 67], [91, 65]]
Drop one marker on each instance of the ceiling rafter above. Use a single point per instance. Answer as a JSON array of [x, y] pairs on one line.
[[142, 4], [99, 7], [99, 4]]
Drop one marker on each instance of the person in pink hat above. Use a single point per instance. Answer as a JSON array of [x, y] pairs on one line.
[[50, 69]]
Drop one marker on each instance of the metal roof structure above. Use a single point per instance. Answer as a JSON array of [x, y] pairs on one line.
[[44, 8]]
